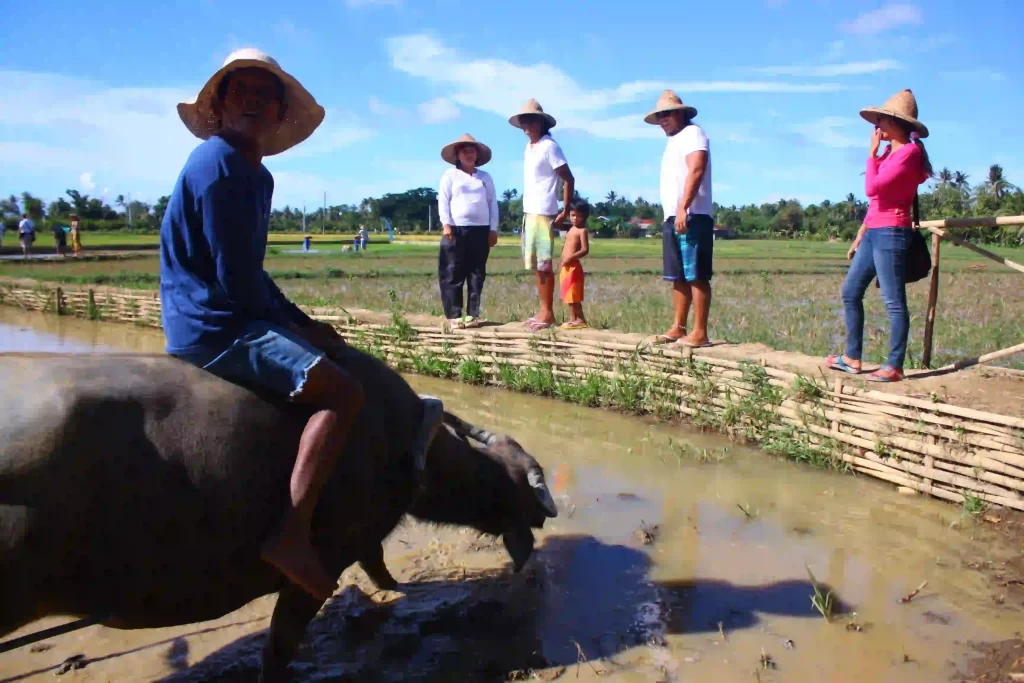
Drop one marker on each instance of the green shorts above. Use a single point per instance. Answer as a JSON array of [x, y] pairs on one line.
[[538, 242]]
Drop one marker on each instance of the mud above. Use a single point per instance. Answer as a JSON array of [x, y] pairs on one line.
[[720, 592]]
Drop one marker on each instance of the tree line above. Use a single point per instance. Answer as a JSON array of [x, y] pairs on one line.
[[951, 194]]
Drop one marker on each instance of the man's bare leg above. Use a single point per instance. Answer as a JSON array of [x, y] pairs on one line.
[[546, 292], [701, 310], [682, 297], [339, 397]]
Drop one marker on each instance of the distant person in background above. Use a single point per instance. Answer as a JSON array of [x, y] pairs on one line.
[[688, 235], [880, 248], [76, 236], [26, 234], [2, 228], [364, 237], [467, 205], [543, 165], [60, 239]]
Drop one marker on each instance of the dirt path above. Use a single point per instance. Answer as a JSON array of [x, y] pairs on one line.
[[985, 388]]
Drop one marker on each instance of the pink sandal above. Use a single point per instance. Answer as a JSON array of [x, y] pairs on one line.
[[886, 373]]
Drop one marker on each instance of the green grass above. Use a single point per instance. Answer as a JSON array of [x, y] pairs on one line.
[[784, 294]]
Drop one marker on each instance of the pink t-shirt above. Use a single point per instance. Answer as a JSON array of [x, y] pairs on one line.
[[891, 183]]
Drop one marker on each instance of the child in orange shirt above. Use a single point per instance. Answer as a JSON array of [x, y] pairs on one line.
[[577, 245]]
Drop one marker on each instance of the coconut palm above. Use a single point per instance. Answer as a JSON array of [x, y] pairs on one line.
[[611, 197], [945, 177], [997, 184]]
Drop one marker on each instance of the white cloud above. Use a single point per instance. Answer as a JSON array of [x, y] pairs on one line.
[[379, 107], [501, 87], [131, 137], [86, 182], [832, 70], [373, 3], [830, 131], [980, 74], [884, 19], [438, 110]]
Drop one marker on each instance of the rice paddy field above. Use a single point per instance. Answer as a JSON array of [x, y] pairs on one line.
[[784, 294]]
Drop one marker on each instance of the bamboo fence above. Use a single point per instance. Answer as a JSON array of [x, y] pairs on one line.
[[939, 449]]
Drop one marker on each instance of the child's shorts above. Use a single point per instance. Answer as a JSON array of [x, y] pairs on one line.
[[572, 279]]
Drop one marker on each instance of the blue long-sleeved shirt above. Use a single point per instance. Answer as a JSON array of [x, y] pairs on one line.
[[212, 244]]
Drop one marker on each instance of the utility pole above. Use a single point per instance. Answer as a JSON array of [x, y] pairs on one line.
[[303, 218], [430, 219], [323, 217]]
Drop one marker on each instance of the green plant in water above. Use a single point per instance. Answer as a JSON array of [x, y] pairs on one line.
[[821, 602], [400, 327], [471, 371]]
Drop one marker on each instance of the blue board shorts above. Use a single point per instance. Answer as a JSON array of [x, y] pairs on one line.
[[265, 356], [688, 257]]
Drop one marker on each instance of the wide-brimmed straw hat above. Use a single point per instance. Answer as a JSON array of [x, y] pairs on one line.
[[902, 106], [449, 152], [302, 116], [532, 107], [669, 101]]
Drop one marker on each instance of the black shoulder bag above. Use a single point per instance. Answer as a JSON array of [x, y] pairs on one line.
[[919, 260]]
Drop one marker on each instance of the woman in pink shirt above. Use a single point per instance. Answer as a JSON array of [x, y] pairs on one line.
[[880, 249]]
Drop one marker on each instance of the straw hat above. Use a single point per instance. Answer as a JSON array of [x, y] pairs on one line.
[[903, 106], [302, 117], [483, 152], [669, 101], [532, 107]]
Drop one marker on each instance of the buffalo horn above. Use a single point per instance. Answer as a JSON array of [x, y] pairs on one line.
[[540, 489], [465, 429]]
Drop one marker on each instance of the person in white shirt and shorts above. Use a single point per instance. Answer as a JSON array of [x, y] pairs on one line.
[[468, 206], [688, 235], [26, 234], [543, 164]]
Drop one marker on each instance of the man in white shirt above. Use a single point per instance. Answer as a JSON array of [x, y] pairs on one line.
[[26, 234], [688, 236], [543, 164]]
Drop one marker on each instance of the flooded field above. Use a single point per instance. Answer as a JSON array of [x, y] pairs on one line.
[[676, 557]]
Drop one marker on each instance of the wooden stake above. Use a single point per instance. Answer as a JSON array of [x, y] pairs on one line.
[[985, 358], [933, 297]]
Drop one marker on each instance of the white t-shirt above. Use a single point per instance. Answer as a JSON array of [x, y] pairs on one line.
[[674, 172], [26, 225], [539, 178], [466, 200]]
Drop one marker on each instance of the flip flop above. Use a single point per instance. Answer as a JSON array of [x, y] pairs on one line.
[[690, 345], [537, 325], [665, 339], [574, 325], [836, 362], [886, 373]]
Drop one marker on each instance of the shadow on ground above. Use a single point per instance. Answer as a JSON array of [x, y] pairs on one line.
[[577, 595]]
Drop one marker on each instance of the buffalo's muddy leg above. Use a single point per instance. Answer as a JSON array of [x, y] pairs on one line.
[[373, 564], [294, 610], [338, 398]]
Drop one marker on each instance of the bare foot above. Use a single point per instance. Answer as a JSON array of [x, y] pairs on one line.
[[290, 550], [675, 333]]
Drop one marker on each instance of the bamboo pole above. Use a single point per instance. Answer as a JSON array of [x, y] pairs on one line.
[[984, 358], [933, 296], [976, 249], [987, 222]]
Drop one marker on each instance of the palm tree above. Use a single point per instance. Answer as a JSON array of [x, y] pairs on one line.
[[509, 195], [960, 180], [997, 184], [611, 197], [851, 201], [945, 177]]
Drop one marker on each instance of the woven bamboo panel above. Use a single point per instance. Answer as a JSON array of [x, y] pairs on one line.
[[939, 449]]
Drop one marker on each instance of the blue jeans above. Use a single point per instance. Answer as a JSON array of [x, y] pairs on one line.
[[265, 356], [882, 252]]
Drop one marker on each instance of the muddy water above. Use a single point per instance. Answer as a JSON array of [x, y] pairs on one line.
[[720, 593]]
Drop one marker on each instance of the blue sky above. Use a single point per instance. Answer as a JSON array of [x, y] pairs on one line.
[[88, 90]]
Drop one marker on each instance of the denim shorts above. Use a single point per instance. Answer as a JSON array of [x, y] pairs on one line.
[[265, 357], [688, 257]]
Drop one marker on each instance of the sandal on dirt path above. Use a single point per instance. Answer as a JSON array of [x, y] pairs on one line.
[[574, 325], [682, 341], [886, 373], [836, 362], [536, 325], [666, 339]]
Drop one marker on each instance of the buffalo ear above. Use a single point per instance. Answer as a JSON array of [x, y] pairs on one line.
[[519, 544]]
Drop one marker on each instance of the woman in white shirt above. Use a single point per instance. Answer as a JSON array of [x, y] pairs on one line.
[[468, 207]]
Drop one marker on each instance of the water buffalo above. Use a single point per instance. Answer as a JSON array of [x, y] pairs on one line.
[[140, 488]]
